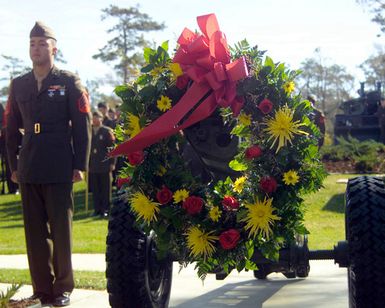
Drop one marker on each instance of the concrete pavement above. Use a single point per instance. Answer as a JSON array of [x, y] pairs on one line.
[[325, 286]]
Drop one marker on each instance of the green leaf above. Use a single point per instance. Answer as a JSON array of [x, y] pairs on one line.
[[237, 165], [165, 45], [148, 92], [148, 68], [147, 52], [269, 62]]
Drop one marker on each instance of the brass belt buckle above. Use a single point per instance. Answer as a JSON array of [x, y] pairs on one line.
[[37, 128]]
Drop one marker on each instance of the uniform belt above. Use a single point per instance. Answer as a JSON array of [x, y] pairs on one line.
[[38, 128]]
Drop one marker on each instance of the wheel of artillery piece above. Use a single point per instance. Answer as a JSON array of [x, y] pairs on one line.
[[135, 277], [365, 233]]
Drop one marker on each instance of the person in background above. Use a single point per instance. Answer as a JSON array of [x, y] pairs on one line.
[[101, 167], [102, 108], [52, 107], [319, 120], [112, 117], [12, 187]]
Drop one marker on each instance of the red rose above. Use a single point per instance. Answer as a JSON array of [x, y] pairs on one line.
[[122, 181], [136, 158], [253, 152], [229, 239], [268, 184], [193, 205], [164, 196], [265, 106], [230, 203], [182, 82]]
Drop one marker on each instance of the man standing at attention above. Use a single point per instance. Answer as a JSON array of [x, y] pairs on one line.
[[53, 109]]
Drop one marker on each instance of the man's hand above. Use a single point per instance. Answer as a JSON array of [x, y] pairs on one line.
[[14, 177], [77, 176], [112, 168]]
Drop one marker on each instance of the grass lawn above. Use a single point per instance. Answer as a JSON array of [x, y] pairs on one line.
[[83, 279], [324, 219], [89, 233]]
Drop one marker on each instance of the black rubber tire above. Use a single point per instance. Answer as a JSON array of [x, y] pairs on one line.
[[135, 277], [262, 271], [365, 233]]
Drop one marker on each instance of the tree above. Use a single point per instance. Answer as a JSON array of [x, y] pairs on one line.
[[330, 83], [123, 48], [374, 67], [14, 67], [377, 8]]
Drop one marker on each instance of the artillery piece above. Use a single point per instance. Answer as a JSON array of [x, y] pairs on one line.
[[228, 155], [138, 278], [359, 118]]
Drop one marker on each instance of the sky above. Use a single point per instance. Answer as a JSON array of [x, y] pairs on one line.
[[289, 30]]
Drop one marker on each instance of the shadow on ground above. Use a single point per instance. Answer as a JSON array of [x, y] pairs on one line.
[[335, 204], [251, 293]]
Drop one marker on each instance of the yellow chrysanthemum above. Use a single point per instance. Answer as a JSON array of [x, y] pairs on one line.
[[245, 119], [200, 243], [239, 184], [161, 171], [180, 195], [289, 87], [143, 207], [133, 125], [164, 103], [215, 213], [282, 127], [259, 218], [175, 69], [290, 177]]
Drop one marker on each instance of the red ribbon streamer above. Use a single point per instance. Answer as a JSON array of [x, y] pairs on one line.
[[205, 58]]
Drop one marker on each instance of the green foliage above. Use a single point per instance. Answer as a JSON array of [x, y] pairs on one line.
[[6, 296], [365, 155]]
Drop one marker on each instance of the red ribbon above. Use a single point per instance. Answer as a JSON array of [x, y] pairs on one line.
[[205, 58]]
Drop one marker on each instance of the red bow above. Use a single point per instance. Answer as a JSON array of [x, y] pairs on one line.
[[205, 58]]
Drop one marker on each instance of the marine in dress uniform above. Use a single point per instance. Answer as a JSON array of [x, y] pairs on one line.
[[101, 167], [52, 108]]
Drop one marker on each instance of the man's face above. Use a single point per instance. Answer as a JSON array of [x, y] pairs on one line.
[[103, 110], [41, 50], [96, 121]]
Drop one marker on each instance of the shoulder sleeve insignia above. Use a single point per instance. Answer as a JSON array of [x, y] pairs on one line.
[[84, 103]]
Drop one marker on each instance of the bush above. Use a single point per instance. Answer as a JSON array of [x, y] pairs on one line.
[[364, 154]]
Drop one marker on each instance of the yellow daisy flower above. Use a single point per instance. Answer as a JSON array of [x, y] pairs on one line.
[[164, 103], [143, 207], [133, 125], [239, 184], [289, 87], [259, 218], [245, 119], [290, 177], [282, 127], [180, 195], [215, 213], [175, 69], [200, 242]]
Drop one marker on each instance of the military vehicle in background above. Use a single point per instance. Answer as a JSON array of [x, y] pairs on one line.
[[360, 118]]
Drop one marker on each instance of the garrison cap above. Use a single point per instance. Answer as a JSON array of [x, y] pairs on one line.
[[40, 29]]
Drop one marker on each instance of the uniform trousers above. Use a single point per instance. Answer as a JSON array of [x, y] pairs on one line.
[[101, 190], [48, 212]]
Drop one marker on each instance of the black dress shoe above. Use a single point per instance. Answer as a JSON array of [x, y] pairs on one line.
[[45, 299], [61, 300]]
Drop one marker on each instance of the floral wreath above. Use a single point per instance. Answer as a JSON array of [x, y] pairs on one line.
[[222, 223]]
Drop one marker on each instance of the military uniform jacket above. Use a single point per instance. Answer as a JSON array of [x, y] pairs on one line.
[[57, 127], [102, 140]]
